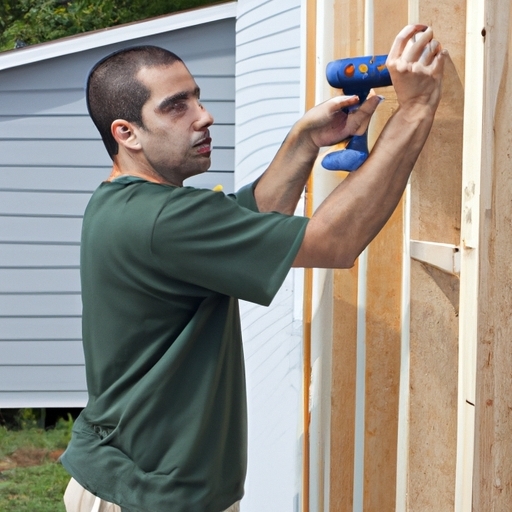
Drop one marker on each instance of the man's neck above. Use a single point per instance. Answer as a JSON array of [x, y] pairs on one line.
[[149, 175]]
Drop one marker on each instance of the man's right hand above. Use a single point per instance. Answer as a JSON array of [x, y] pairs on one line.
[[416, 63]]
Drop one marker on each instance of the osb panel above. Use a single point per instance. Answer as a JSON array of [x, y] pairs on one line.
[[493, 470], [436, 182], [433, 389]]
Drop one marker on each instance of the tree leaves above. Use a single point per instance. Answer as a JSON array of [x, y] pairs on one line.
[[26, 22]]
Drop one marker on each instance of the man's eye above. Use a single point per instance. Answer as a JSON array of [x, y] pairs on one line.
[[179, 106]]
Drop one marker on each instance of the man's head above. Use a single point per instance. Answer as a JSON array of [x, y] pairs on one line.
[[145, 104], [114, 92]]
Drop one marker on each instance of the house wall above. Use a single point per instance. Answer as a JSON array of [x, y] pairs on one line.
[[268, 71], [51, 160]]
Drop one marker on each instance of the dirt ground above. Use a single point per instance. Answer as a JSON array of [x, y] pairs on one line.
[[25, 457]]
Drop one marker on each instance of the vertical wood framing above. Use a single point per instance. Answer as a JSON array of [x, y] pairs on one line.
[[383, 311], [309, 7], [492, 478], [470, 226], [348, 41]]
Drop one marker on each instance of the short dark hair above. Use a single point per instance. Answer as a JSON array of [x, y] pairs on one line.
[[113, 91]]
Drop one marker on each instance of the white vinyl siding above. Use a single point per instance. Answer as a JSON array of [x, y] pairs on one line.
[[268, 71]]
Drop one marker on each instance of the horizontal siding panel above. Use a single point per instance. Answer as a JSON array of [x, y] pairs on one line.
[[87, 152], [251, 12], [43, 203], [262, 109], [280, 119], [73, 76], [262, 156], [41, 305], [67, 102], [42, 399], [258, 141], [273, 24], [48, 153], [47, 127], [34, 229], [216, 88], [220, 63], [266, 92], [253, 62], [273, 44], [269, 75], [223, 135], [223, 159], [42, 378], [53, 178], [27, 255], [45, 280], [222, 111], [41, 353], [12, 329]]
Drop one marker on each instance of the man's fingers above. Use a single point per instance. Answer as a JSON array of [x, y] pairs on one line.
[[403, 37], [431, 49], [340, 102], [361, 118], [415, 51]]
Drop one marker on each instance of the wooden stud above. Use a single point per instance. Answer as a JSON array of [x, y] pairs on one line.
[[492, 480]]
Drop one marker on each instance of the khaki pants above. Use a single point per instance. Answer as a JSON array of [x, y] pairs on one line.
[[78, 499]]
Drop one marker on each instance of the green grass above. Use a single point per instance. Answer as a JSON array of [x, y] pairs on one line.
[[28, 487], [33, 489]]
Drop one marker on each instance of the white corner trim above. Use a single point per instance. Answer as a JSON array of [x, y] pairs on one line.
[[445, 257], [107, 36]]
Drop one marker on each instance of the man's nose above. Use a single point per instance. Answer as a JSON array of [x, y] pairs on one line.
[[205, 118]]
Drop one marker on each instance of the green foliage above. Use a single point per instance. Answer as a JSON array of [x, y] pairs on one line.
[[26, 22]]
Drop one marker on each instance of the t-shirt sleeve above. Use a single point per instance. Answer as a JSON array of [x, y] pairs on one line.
[[245, 197], [211, 240]]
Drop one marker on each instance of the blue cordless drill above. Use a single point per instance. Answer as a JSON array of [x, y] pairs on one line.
[[355, 76]]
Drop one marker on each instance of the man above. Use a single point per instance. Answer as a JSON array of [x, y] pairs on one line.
[[163, 266]]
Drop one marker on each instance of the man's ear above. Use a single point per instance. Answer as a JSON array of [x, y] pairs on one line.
[[125, 134]]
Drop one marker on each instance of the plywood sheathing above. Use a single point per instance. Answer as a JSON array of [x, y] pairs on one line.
[[435, 217]]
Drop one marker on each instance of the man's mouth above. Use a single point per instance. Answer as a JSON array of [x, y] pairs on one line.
[[204, 145]]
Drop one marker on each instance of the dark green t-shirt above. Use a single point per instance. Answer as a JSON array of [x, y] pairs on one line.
[[162, 268]]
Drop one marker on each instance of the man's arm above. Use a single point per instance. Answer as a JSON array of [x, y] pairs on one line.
[[281, 185], [358, 208]]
